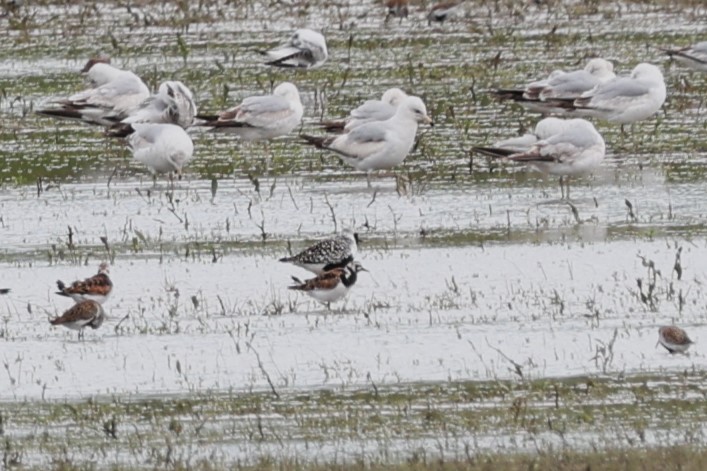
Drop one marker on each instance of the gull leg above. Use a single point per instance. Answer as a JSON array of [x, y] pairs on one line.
[[562, 189]]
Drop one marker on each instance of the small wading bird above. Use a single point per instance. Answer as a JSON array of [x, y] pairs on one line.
[[116, 94], [623, 100], [694, 56], [96, 288], [575, 148], [332, 285], [378, 145], [305, 49], [86, 313], [370, 110], [260, 117], [172, 104], [535, 96], [327, 254], [674, 339]]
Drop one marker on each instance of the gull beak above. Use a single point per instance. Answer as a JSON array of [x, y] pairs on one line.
[[429, 121]]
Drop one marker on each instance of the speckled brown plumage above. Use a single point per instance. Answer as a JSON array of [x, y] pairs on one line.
[[96, 288]]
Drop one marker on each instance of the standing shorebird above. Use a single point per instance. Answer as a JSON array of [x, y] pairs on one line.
[[83, 314], [674, 339], [327, 254], [96, 288], [332, 285]]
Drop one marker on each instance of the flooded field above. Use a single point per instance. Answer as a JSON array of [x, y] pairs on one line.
[[497, 320]]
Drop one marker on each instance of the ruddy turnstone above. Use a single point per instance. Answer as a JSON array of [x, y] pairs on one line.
[[560, 85], [674, 339], [576, 150], [172, 104], [694, 56], [332, 285], [96, 288], [87, 313], [623, 100], [120, 92], [370, 110], [304, 49], [381, 144], [163, 148], [261, 117], [327, 254]]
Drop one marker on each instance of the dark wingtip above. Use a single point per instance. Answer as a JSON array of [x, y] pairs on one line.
[[4, 290], [119, 130], [316, 141]]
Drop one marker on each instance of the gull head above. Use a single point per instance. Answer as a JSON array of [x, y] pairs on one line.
[[414, 108], [647, 71], [600, 68], [308, 39], [393, 96], [288, 91], [549, 126], [102, 59]]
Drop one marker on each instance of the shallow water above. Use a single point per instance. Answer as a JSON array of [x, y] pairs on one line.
[[473, 266]]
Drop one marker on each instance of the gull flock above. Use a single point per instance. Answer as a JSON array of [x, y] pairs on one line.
[[377, 135]]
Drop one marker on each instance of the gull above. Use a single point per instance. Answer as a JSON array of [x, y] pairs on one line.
[[560, 85], [105, 104], [261, 117], [327, 254], [624, 100], [694, 56], [96, 288], [83, 314], [442, 11], [98, 71], [173, 103], [163, 148], [332, 285], [674, 339], [577, 149], [370, 110], [381, 144], [305, 49], [543, 129]]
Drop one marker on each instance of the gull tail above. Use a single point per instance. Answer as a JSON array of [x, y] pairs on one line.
[[119, 130], [336, 126]]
